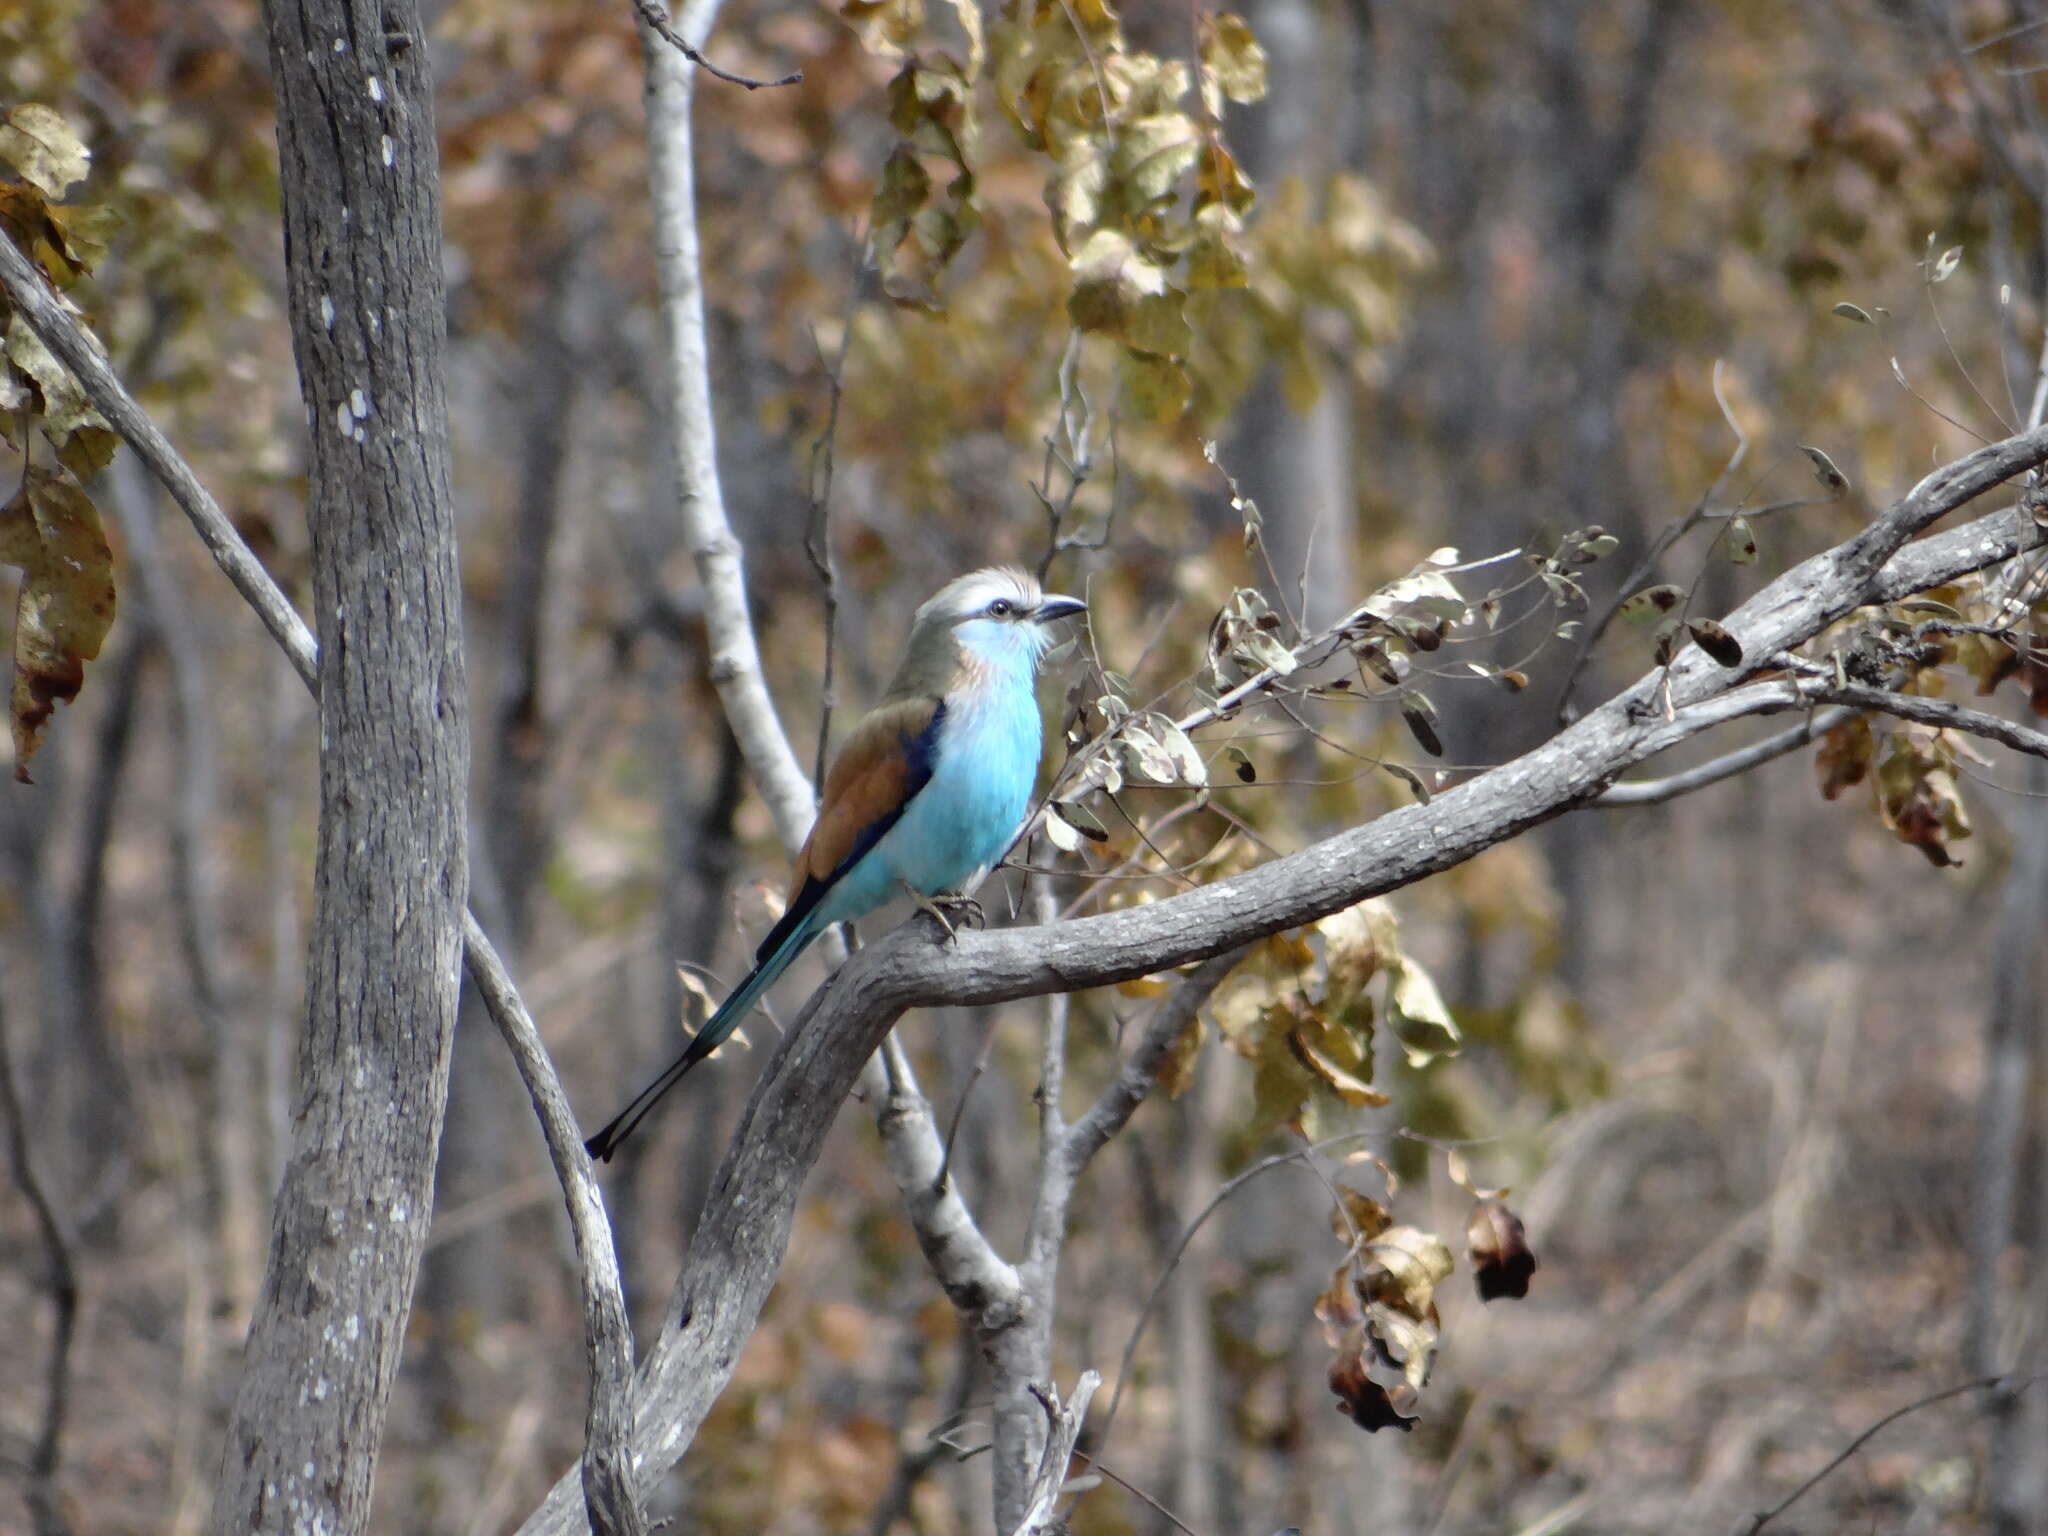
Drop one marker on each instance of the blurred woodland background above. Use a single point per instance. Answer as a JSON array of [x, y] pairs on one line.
[[1762, 1077]]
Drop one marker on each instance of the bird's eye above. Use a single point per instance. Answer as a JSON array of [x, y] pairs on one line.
[[1000, 608]]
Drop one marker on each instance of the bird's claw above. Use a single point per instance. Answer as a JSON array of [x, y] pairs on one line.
[[965, 909]]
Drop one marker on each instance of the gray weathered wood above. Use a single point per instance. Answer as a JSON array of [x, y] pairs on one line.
[[363, 265]]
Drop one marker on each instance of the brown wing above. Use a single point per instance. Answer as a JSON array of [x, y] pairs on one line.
[[886, 760]]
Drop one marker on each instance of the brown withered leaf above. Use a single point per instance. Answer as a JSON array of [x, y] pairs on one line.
[[1917, 797], [885, 26], [919, 227], [1502, 1260], [29, 220], [1831, 479], [1338, 1308], [78, 238], [1845, 756], [42, 148], [1403, 1343], [1353, 953], [1361, 1361], [1233, 63], [1159, 386], [2034, 671], [87, 451], [1404, 1266], [1417, 1015], [64, 405], [1281, 1085], [1364, 1401], [1121, 292], [66, 603], [1147, 159], [1664, 641], [1420, 720], [1652, 602], [1356, 1217], [1716, 642], [1324, 1050]]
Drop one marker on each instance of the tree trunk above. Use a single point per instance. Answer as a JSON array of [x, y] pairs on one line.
[[363, 261], [2013, 1463]]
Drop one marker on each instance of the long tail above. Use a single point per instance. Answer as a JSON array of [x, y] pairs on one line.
[[706, 1040]]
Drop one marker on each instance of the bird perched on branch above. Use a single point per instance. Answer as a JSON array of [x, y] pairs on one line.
[[924, 796]]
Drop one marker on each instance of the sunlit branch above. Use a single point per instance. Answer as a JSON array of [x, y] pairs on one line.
[[960, 1255]]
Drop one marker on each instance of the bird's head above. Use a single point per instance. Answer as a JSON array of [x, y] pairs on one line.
[[997, 617]]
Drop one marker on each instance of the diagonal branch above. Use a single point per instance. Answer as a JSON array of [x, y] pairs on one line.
[[1986, 1384], [59, 330], [1139, 1075], [607, 1338], [983, 1286], [1941, 557], [607, 1485], [737, 1248]]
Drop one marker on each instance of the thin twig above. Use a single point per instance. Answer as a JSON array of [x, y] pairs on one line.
[[44, 1461], [1139, 1074], [1223, 1193], [818, 521], [1982, 1384], [658, 22], [1136, 1492], [1939, 713], [912, 1463], [1673, 531], [608, 1337], [1726, 766], [981, 1059], [1069, 448]]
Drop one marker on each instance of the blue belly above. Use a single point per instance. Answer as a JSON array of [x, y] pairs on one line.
[[963, 819]]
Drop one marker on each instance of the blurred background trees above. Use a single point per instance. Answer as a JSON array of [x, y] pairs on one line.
[[1763, 1077]]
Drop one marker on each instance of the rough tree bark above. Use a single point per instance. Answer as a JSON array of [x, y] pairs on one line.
[[362, 228]]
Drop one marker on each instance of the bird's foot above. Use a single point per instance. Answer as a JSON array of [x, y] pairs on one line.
[[962, 910], [965, 909]]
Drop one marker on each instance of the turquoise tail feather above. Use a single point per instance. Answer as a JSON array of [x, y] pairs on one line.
[[704, 1042]]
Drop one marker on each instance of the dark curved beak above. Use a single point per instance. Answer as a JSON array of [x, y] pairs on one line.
[[1054, 606]]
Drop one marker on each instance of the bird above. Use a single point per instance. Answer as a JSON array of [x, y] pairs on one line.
[[926, 793]]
